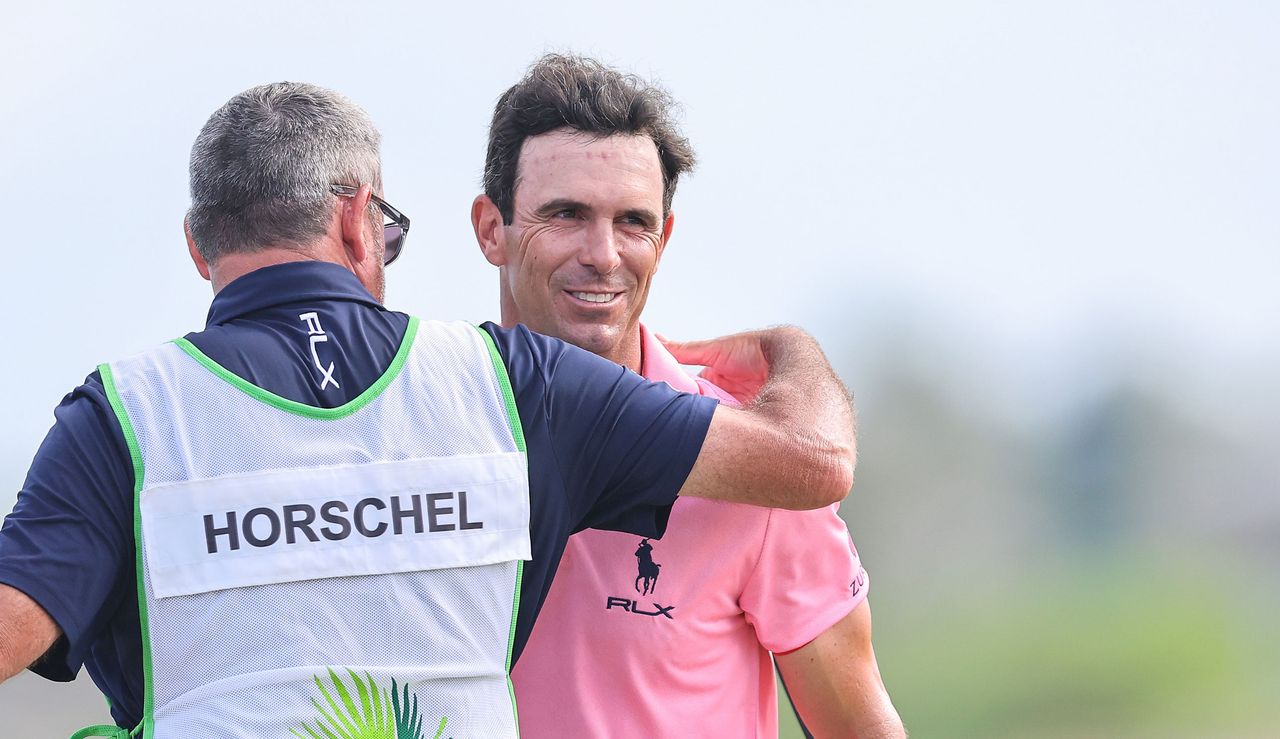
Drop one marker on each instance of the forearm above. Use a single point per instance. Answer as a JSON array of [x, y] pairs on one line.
[[749, 459], [885, 724], [804, 399], [853, 705], [835, 683], [875, 718]]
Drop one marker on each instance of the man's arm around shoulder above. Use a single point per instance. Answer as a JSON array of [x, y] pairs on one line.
[[793, 444]]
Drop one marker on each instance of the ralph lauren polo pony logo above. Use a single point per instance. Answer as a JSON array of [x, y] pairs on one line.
[[645, 584], [647, 577]]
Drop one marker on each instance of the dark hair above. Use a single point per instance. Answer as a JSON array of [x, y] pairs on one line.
[[575, 92]]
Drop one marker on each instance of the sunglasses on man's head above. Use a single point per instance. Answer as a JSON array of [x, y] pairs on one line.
[[394, 233]]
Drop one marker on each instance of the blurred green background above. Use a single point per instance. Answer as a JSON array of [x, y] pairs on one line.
[[1108, 569]]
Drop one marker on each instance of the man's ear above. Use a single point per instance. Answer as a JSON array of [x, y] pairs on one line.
[[486, 220], [667, 227], [354, 219], [201, 265]]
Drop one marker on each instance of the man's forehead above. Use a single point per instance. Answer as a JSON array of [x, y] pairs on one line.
[[564, 155]]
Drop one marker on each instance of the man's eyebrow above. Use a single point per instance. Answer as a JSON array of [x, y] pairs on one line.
[[559, 204], [644, 215]]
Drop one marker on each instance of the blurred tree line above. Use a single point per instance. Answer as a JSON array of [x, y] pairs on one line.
[[1092, 560]]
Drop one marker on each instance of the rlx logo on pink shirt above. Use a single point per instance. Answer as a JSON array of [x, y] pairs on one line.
[[646, 583]]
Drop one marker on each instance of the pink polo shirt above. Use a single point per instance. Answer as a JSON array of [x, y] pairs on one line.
[[672, 637]]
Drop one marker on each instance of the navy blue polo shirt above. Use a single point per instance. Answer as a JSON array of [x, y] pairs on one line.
[[606, 449]]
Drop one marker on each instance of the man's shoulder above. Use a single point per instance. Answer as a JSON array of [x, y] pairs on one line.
[[148, 355], [515, 342], [545, 361], [520, 338], [659, 365]]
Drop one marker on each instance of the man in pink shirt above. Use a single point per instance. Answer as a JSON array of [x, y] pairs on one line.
[[674, 636]]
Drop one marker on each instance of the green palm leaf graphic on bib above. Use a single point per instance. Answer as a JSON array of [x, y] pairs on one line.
[[368, 714]]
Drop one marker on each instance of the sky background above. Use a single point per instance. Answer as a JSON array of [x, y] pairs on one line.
[[1022, 206], [1053, 185]]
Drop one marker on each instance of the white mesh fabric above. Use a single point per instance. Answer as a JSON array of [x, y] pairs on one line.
[[243, 662]]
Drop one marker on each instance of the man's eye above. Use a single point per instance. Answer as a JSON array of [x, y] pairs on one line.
[[566, 213]]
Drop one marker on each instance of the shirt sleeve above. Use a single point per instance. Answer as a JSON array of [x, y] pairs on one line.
[[622, 445], [808, 577], [68, 543]]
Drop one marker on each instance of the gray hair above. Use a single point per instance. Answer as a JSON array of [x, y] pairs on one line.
[[262, 166]]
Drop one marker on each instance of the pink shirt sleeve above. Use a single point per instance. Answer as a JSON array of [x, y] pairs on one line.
[[808, 577]]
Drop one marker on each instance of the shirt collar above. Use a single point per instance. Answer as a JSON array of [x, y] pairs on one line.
[[657, 363], [281, 284]]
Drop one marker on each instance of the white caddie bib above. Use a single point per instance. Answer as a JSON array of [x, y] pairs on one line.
[[310, 572]]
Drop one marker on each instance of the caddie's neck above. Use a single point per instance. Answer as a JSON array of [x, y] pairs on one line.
[[231, 267], [346, 244], [234, 266]]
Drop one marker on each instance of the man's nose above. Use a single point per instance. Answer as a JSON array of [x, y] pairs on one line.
[[600, 249]]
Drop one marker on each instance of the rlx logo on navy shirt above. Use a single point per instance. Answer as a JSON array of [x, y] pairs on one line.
[[318, 336]]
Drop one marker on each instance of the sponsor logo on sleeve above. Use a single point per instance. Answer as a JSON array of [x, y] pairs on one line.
[[858, 583]]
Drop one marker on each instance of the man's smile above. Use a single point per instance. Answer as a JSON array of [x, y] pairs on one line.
[[597, 298]]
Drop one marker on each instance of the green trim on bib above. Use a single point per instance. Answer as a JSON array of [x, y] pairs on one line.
[[511, 643], [517, 433], [110, 731], [302, 409], [504, 381], [135, 453]]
